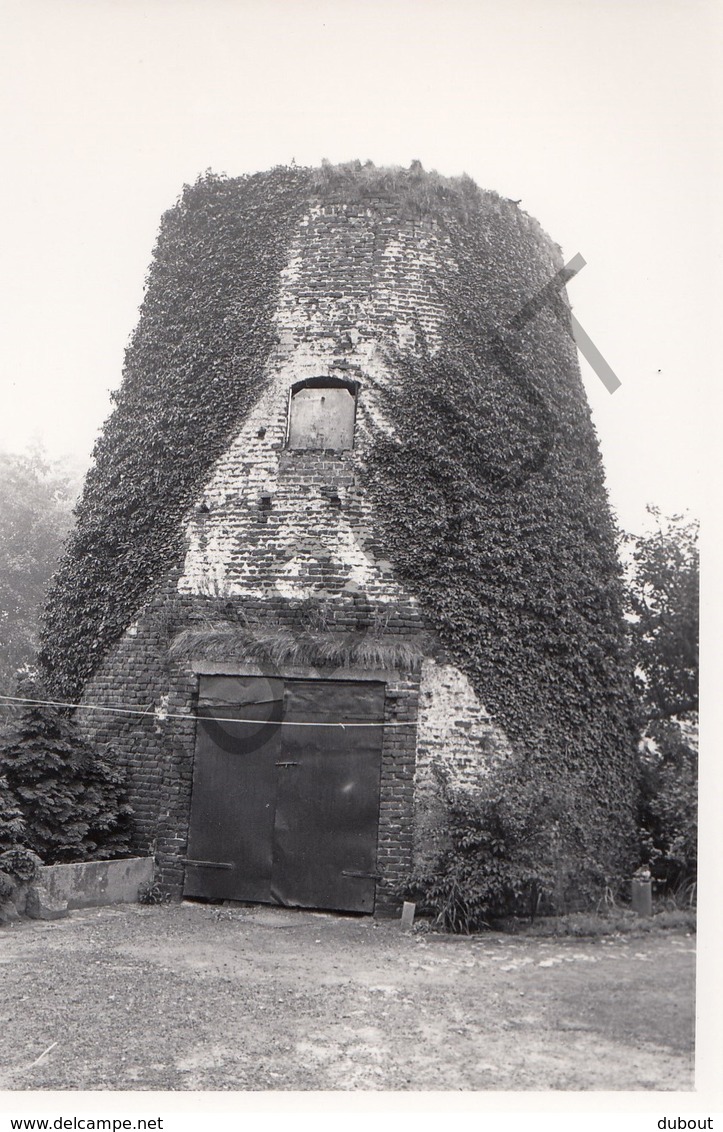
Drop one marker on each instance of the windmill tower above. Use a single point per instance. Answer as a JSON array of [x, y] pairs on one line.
[[346, 523]]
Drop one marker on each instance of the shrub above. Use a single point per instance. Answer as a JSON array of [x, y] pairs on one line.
[[69, 798], [506, 848], [21, 864], [12, 826], [153, 893], [663, 600], [6, 887], [668, 813]]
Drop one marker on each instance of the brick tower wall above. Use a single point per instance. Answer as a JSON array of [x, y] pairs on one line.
[[285, 539]]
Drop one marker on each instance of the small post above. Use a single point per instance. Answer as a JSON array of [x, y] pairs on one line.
[[641, 892], [408, 910]]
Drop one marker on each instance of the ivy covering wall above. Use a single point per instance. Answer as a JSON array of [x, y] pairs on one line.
[[492, 503], [490, 499], [192, 370]]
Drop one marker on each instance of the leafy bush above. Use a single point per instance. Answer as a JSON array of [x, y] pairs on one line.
[[6, 887], [12, 826], [18, 866], [21, 864], [506, 848], [668, 763], [663, 600], [153, 893], [68, 797], [664, 629]]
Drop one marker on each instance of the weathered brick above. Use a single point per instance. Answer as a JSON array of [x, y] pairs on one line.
[[357, 278]]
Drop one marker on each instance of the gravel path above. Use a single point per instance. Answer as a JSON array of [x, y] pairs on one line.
[[199, 997]]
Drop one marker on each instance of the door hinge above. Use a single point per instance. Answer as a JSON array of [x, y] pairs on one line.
[[360, 875], [288, 764]]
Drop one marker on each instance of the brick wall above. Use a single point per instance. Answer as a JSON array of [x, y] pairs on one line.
[[456, 733], [278, 536], [358, 279]]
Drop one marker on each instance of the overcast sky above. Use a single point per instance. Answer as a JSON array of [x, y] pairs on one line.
[[602, 117]]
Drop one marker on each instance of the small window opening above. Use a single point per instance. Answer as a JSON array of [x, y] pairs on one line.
[[321, 414]]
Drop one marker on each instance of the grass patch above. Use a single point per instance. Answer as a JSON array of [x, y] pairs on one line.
[[616, 921], [582, 925]]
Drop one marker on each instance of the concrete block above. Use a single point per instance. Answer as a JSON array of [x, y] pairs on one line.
[[93, 884], [408, 910], [641, 892], [8, 912], [41, 904]]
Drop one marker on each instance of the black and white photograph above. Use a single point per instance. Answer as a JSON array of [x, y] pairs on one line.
[[358, 444]]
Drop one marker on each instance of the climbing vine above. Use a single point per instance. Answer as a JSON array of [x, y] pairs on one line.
[[191, 372], [492, 504], [489, 497]]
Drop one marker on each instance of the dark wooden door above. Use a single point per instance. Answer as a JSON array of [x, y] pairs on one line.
[[234, 786], [285, 808]]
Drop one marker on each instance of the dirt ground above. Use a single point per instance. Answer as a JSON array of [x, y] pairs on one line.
[[200, 997]]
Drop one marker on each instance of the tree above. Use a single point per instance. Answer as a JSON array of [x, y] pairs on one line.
[[668, 806], [36, 498], [12, 826], [60, 797], [664, 621], [663, 595]]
